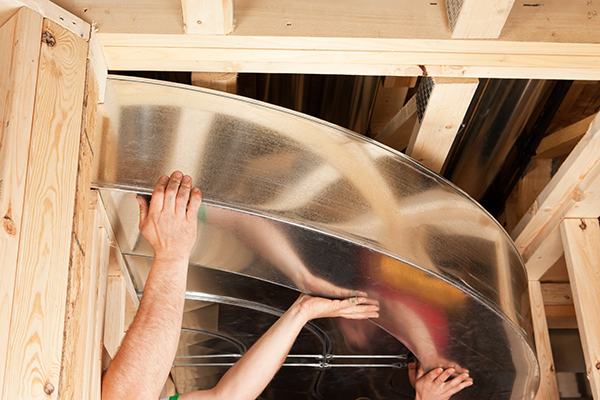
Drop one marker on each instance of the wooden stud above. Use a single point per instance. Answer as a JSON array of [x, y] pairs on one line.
[[572, 192], [225, 82], [114, 325], [474, 19], [561, 143], [82, 282], [37, 322], [207, 17], [548, 386], [398, 130], [19, 55], [441, 107], [581, 240]]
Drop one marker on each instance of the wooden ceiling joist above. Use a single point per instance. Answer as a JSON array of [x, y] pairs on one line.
[[441, 107], [207, 17], [475, 19], [351, 56]]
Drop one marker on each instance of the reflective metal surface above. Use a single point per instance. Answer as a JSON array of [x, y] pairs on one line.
[[296, 204]]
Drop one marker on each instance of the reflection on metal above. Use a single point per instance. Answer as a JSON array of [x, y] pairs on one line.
[[295, 204], [502, 109]]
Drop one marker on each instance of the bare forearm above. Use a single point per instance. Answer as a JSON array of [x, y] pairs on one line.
[[250, 375], [143, 362]]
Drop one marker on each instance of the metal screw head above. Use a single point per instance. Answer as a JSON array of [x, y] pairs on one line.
[[199, 22]]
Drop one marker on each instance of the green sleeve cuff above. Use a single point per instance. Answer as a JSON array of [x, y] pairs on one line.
[[174, 397]]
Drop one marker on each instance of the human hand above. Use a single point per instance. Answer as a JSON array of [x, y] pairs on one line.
[[435, 385], [169, 222], [359, 307]]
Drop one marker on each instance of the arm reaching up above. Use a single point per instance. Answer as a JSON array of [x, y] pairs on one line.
[[144, 359], [250, 375]]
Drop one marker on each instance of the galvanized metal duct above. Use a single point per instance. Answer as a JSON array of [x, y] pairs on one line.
[[504, 125], [294, 203]]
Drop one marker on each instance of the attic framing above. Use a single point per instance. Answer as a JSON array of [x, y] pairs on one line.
[[532, 42]]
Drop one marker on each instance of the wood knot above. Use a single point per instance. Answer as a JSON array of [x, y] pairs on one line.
[[49, 388], [598, 365], [48, 38], [582, 225], [9, 225]]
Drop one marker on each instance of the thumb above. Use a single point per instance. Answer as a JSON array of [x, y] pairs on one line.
[[144, 205]]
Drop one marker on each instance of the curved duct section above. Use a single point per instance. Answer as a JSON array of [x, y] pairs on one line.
[[292, 203]]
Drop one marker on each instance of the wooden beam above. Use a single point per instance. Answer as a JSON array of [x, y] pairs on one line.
[[399, 129], [441, 107], [477, 19], [548, 386], [48, 10], [572, 192], [225, 82], [19, 56], [351, 56], [581, 240], [207, 17], [561, 143], [37, 322]]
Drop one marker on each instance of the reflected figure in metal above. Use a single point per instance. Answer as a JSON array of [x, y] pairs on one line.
[[293, 204]]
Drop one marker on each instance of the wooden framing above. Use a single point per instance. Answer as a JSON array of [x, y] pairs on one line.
[[37, 321], [207, 17], [441, 106], [548, 385], [473, 19], [399, 129], [401, 38], [572, 192], [19, 55], [561, 143], [581, 240]]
